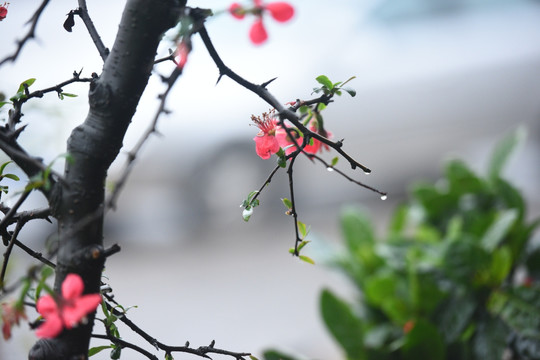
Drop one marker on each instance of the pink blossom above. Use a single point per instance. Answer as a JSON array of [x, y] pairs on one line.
[[266, 142], [67, 311], [11, 315], [279, 10]]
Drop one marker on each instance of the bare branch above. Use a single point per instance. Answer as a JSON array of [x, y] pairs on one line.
[[83, 13], [132, 155], [31, 33], [270, 99]]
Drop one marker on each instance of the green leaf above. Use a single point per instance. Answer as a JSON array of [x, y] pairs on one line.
[[302, 244], [502, 152], [501, 264], [28, 83], [69, 95], [399, 220], [454, 315], [423, 342], [350, 91], [306, 259], [97, 349], [276, 355], [116, 352], [343, 324], [321, 107], [335, 161], [2, 103], [357, 230], [325, 81], [498, 229], [287, 203], [3, 166], [302, 229], [11, 176]]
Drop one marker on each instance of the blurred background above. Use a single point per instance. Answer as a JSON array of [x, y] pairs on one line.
[[435, 79]]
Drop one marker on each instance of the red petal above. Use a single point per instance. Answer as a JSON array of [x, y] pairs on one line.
[[46, 305], [51, 327], [257, 33], [237, 11], [265, 146], [72, 287], [81, 307], [280, 11]]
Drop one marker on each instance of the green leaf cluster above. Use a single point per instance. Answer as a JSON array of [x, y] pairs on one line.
[[442, 283], [330, 88], [457, 275]]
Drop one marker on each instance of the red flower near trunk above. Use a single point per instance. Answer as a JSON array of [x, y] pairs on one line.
[[67, 311]]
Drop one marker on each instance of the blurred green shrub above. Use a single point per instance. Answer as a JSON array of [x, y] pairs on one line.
[[455, 277]]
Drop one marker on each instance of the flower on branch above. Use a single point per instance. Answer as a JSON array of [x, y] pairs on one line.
[[279, 10], [272, 137], [3, 11], [266, 141], [68, 310], [182, 53], [12, 313]]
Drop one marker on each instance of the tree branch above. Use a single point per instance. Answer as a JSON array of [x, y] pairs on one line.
[[31, 33], [83, 13], [270, 99]]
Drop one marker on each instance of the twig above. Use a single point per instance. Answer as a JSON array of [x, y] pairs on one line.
[[270, 99], [83, 13], [332, 168], [125, 344], [200, 351], [31, 33], [132, 155]]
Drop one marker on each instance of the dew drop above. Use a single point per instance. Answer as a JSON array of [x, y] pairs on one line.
[[384, 197], [367, 172], [330, 169]]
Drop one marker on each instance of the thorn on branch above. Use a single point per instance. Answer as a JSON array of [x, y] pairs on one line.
[[265, 84]]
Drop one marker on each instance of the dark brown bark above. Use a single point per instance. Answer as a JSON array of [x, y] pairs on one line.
[[78, 205]]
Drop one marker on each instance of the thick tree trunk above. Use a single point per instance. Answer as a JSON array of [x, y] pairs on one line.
[[78, 206]]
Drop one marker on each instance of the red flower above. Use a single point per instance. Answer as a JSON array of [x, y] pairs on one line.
[[3, 11], [11, 315], [69, 310], [182, 52], [316, 146], [280, 11], [266, 142]]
